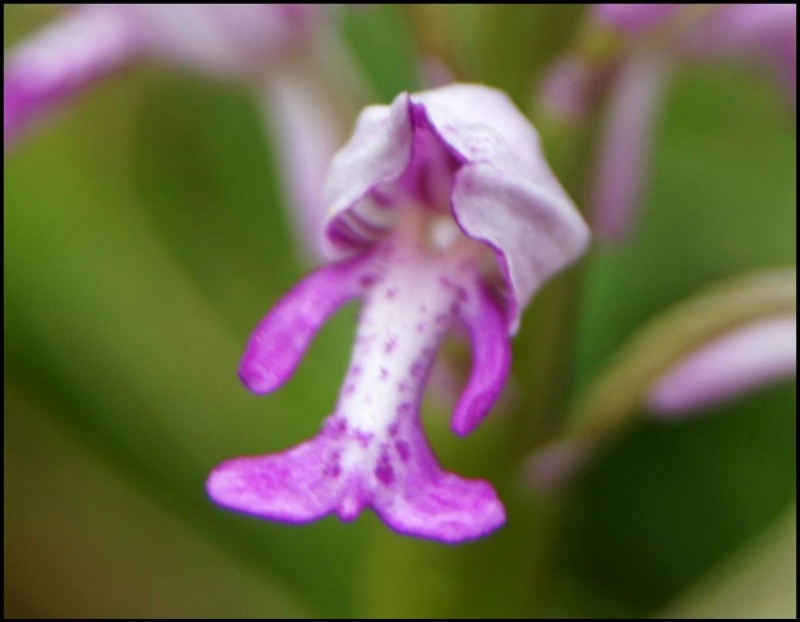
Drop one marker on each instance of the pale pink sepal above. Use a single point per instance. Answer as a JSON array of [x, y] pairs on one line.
[[280, 340], [736, 363], [533, 232], [64, 59], [469, 148]]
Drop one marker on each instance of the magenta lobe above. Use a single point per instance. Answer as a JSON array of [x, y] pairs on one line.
[[280, 340], [491, 360]]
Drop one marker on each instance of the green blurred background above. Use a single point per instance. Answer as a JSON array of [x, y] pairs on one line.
[[145, 235]]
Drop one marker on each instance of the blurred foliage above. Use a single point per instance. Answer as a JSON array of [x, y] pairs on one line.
[[144, 237], [757, 581]]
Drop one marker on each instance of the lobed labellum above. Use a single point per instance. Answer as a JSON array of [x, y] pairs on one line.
[[372, 450], [434, 198]]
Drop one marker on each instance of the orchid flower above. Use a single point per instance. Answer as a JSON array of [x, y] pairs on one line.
[[281, 51], [443, 213], [92, 42], [754, 356], [765, 33], [648, 41]]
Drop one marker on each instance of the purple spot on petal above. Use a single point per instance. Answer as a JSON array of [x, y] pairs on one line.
[[390, 344], [384, 374], [403, 450], [462, 294], [393, 429], [421, 327], [333, 469], [423, 309], [418, 369], [367, 280], [363, 438], [336, 426], [355, 370], [391, 293], [384, 471]]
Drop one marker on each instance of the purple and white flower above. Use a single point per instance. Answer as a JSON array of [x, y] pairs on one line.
[[648, 41], [443, 214]]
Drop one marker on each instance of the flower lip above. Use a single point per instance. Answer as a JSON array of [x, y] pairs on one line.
[[372, 452], [421, 193], [467, 150]]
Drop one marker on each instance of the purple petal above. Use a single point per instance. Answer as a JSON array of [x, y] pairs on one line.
[[376, 155], [635, 18], [624, 155], [448, 508], [491, 360], [279, 341], [505, 195], [372, 451], [737, 363], [44, 72], [471, 140], [292, 486]]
